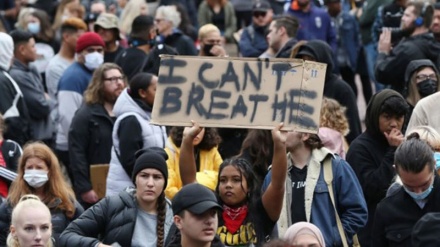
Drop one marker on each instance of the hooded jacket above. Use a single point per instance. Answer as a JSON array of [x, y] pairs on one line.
[[372, 159], [389, 68], [12, 105], [132, 131], [334, 87]]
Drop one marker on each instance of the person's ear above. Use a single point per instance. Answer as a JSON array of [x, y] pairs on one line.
[[142, 93], [13, 231], [305, 136], [178, 222]]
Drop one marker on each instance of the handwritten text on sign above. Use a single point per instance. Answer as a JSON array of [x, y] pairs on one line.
[[244, 93]]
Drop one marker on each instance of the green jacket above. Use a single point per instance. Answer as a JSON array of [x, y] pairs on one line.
[[205, 17]]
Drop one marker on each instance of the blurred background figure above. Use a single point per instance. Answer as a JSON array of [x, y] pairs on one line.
[[131, 10], [220, 13], [107, 27]]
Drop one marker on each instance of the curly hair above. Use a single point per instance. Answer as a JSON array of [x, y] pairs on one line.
[[210, 140], [56, 187], [94, 93], [333, 116]]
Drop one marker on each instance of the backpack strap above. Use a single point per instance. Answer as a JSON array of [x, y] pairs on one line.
[[328, 177]]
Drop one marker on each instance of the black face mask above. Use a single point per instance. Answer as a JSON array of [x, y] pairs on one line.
[[427, 87], [207, 50]]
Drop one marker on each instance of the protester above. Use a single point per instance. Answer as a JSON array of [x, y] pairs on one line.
[[90, 134], [397, 214], [207, 156], [334, 87], [211, 41], [417, 44], [29, 80], [307, 190], [39, 173], [134, 217], [281, 35], [421, 79], [74, 81], [107, 27], [314, 22], [252, 41], [132, 130], [247, 218], [304, 234], [167, 20], [372, 153], [221, 14], [196, 212], [12, 104], [30, 223]]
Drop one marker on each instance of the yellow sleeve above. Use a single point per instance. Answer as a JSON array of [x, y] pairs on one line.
[[174, 182]]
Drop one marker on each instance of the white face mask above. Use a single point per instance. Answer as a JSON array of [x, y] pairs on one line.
[[35, 178], [93, 60]]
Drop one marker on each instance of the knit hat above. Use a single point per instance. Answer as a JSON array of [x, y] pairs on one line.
[[6, 50], [153, 157], [88, 39]]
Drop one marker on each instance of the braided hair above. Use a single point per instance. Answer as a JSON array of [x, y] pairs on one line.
[[161, 215]]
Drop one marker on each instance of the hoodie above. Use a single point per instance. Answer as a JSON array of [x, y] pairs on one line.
[[132, 131], [372, 159], [12, 105], [334, 87]]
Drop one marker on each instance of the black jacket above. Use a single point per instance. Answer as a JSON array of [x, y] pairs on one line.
[[334, 87], [182, 43], [11, 102], [286, 50], [90, 142], [59, 220], [397, 214], [372, 159], [390, 69], [111, 220]]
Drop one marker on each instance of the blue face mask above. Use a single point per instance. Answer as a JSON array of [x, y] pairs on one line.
[[33, 27], [437, 160], [420, 196]]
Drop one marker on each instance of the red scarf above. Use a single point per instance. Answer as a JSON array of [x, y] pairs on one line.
[[234, 217]]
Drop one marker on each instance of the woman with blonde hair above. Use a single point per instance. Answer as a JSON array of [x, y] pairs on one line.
[[133, 9], [30, 223], [39, 173]]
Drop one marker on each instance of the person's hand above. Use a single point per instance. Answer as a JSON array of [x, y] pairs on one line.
[[384, 45], [278, 135], [104, 245], [218, 51], [394, 138], [90, 197], [193, 131]]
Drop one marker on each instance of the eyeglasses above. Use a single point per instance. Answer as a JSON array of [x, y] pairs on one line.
[[257, 14], [426, 77], [115, 79]]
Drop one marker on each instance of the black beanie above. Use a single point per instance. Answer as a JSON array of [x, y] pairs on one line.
[[153, 157]]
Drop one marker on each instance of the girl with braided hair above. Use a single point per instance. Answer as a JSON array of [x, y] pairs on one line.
[[140, 216]]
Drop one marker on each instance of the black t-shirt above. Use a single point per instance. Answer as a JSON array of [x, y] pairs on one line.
[[218, 19], [298, 177], [109, 57], [131, 60]]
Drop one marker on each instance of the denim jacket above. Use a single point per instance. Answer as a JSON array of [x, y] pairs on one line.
[[349, 199]]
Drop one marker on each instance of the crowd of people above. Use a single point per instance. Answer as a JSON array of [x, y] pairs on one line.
[[77, 89]]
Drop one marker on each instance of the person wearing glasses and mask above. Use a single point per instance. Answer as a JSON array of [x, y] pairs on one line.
[[252, 41], [90, 134], [211, 41], [74, 81]]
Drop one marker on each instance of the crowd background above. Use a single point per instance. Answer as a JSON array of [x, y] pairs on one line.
[[77, 87]]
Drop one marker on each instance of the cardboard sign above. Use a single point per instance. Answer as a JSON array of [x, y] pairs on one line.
[[98, 177], [239, 93]]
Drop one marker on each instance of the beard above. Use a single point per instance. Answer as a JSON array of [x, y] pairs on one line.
[[408, 31]]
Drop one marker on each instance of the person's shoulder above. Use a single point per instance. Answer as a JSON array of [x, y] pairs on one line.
[[428, 100]]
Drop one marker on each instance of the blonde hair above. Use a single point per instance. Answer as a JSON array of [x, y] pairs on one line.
[[428, 134], [131, 11], [56, 187], [22, 18], [206, 29], [31, 202], [333, 116], [170, 13]]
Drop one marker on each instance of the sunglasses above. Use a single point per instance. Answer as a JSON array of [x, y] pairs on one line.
[[257, 14]]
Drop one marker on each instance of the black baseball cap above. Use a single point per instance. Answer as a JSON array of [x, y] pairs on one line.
[[261, 5], [195, 198]]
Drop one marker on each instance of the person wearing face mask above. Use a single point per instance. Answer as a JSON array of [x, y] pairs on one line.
[[421, 79], [39, 173], [211, 41], [397, 214], [72, 84]]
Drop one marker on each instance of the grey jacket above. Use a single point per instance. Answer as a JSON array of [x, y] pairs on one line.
[[39, 107]]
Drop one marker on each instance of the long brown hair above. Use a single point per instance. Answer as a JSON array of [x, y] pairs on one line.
[[413, 93], [94, 93], [46, 32], [55, 188], [161, 216]]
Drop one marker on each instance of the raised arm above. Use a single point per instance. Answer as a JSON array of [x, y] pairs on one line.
[[273, 196], [187, 163]]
